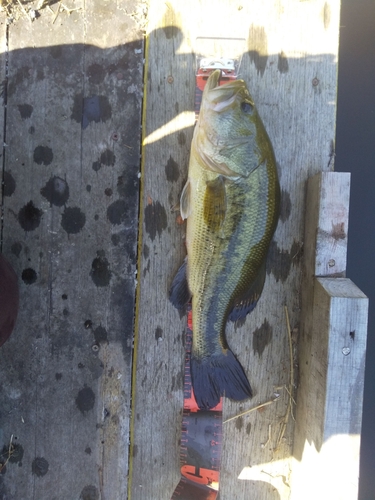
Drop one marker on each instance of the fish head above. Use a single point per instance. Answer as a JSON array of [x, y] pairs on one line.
[[229, 138]]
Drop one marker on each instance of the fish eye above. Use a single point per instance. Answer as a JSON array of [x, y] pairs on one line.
[[246, 107]]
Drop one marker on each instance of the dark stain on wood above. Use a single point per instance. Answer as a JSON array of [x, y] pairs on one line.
[[171, 170], [40, 466], [25, 110], [155, 219], [100, 335], [115, 239], [100, 272], [262, 337], [158, 334], [122, 301], [9, 184], [258, 48], [107, 158], [29, 276], [73, 220], [43, 155], [29, 216], [147, 268], [239, 423], [56, 191], [177, 382], [89, 492], [338, 231], [282, 63], [128, 183], [280, 261], [181, 138], [96, 166], [248, 428], [285, 205], [117, 212], [85, 399], [146, 251]]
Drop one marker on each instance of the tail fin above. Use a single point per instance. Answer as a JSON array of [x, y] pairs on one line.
[[216, 376]]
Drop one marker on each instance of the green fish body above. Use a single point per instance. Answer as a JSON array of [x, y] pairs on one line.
[[231, 202]]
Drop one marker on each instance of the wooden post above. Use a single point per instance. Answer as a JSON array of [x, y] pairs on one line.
[[332, 352]]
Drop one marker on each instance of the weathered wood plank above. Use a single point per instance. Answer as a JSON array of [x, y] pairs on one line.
[[331, 351], [70, 230], [327, 218], [289, 61], [327, 441]]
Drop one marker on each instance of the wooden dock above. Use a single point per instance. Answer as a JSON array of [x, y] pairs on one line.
[[91, 379]]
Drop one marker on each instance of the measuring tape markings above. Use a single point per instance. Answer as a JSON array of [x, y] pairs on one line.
[[201, 440]]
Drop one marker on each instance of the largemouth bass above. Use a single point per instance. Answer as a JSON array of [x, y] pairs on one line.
[[231, 202]]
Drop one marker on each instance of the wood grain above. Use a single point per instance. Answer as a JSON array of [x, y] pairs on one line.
[[70, 230], [290, 63]]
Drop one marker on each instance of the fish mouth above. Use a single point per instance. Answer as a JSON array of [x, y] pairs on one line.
[[219, 96]]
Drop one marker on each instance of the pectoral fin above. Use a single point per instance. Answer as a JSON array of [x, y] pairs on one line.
[[185, 205], [215, 203], [247, 302]]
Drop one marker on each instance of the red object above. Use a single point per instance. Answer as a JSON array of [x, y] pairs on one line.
[[202, 75], [205, 477], [9, 299]]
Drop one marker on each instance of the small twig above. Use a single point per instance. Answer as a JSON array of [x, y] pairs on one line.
[[57, 12], [10, 453], [269, 436], [24, 11], [289, 410], [250, 410], [69, 11]]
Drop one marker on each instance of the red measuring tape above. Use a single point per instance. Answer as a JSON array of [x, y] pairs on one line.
[[201, 439], [201, 434]]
